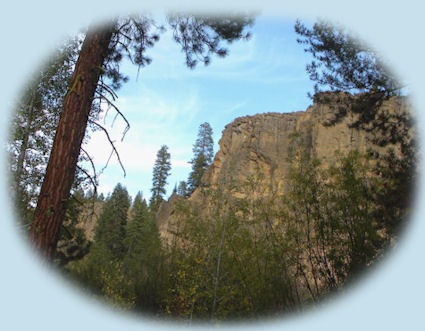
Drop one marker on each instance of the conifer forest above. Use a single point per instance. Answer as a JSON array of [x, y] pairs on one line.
[[246, 235]]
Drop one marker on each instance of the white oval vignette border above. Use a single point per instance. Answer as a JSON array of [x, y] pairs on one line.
[[33, 298]]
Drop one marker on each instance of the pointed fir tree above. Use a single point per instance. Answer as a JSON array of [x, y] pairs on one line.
[[143, 255], [101, 271], [110, 229], [203, 153], [136, 225], [161, 171], [182, 189]]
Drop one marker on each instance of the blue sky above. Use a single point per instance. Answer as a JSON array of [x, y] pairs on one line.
[[166, 103], [390, 298]]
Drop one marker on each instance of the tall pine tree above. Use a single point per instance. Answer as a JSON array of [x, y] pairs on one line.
[[203, 153], [98, 61], [161, 171]]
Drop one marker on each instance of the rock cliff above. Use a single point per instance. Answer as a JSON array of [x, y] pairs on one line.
[[261, 144]]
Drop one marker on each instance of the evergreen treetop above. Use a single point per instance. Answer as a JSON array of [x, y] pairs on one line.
[[204, 143], [161, 171], [203, 153], [342, 62], [110, 229]]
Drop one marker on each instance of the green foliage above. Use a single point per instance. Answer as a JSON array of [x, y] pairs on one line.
[[199, 165], [143, 258], [109, 235], [182, 190], [73, 244], [132, 36], [226, 261], [161, 171], [248, 252], [30, 141], [34, 125], [196, 284], [101, 274], [243, 251], [110, 228], [101, 271], [125, 261], [201, 36], [336, 231], [353, 194], [343, 63], [115, 287]]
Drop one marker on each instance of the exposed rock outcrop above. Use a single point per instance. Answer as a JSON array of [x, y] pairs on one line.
[[261, 144]]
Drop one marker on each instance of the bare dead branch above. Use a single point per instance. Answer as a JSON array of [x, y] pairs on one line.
[[107, 162], [114, 149], [111, 104], [92, 164], [108, 89], [93, 181]]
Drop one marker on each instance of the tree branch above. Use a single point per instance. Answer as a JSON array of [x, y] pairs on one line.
[[114, 150], [108, 89], [110, 104], [92, 165]]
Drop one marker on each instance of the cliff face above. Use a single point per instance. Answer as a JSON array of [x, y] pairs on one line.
[[261, 144]]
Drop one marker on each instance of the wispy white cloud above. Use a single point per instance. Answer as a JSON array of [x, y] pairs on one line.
[[168, 102], [156, 118]]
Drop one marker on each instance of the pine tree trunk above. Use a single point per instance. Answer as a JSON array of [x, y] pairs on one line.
[[60, 172]]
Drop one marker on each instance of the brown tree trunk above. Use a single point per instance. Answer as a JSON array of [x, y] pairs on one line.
[[60, 172]]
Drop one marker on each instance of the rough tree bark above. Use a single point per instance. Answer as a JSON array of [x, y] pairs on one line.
[[60, 172]]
